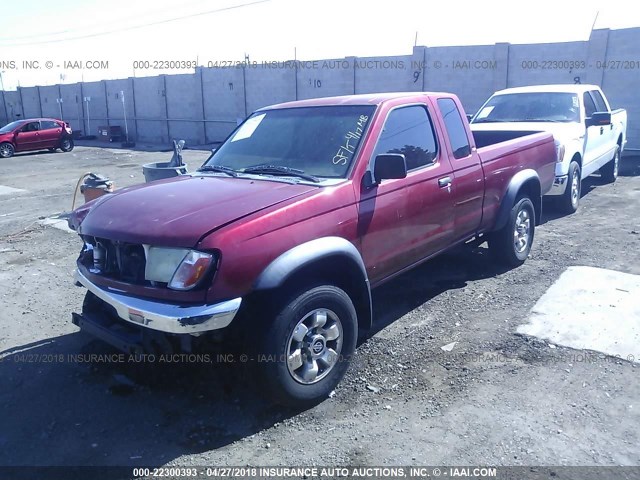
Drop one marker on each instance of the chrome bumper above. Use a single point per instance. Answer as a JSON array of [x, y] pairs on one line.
[[166, 317], [559, 185]]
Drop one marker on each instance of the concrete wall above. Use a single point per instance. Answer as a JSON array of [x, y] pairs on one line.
[[205, 107]]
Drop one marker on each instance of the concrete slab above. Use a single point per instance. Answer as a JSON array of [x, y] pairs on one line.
[[4, 190], [592, 309]]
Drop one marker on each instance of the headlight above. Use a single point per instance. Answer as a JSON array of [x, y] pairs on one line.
[[559, 152], [179, 268]]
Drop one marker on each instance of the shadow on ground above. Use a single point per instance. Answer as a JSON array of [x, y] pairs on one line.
[[73, 401]]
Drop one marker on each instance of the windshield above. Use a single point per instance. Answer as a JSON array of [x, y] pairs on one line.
[[531, 107], [317, 141], [10, 127]]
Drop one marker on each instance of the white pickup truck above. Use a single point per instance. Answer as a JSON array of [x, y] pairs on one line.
[[589, 136]]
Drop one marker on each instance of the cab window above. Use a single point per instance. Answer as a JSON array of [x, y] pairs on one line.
[[601, 106], [589, 106], [408, 131]]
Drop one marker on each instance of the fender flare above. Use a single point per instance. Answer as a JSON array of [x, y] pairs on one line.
[[510, 195], [300, 256]]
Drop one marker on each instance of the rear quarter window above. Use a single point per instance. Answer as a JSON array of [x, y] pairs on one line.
[[455, 128]]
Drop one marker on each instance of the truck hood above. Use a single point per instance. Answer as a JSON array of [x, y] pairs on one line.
[[562, 132], [180, 211]]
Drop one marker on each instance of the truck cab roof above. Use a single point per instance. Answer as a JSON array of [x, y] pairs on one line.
[[564, 88], [362, 99]]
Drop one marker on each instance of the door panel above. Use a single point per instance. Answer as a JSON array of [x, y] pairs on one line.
[[50, 133], [28, 138], [596, 141], [402, 221]]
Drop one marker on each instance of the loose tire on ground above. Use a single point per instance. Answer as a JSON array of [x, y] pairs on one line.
[[512, 243], [609, 171], [306, 350]]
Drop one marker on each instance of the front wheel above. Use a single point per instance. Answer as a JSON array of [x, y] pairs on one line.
[[6, 150], [568, 202], [609, 171], [307, 349], [512, 243], [66, 144]]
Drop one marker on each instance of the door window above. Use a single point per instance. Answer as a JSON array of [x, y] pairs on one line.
[[589, 106], [601, 106], [408, 131], [48, 124], [455, 128], [31, 127]]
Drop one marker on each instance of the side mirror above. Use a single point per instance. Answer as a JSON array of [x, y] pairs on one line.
[[469, 116], [598, 118], [389, 166]]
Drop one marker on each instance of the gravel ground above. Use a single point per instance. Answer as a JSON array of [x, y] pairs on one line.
[[496, 398]]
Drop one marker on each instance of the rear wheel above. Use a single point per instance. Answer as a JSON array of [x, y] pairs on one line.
[[66, 144], [6, 150], [569, 201], [306, 351], [609, 171], [512, 243]]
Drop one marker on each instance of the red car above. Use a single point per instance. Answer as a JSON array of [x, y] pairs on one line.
[[35, 134]]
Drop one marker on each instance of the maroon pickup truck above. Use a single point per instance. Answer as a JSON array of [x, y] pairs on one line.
[[278, 239]]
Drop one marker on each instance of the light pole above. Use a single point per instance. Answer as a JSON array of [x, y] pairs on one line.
[[124, 110], [59, 101], [86, 101]]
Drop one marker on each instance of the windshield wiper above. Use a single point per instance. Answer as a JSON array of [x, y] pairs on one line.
[[219, 168], [280, 170], [542, 120], [487, 120]]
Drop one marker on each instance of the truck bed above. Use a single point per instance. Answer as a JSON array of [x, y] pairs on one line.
[[484, 138]]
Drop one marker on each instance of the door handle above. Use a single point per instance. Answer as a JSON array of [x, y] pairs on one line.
[[444, 182], [601, 130]]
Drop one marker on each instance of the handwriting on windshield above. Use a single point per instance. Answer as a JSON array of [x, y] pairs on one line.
[[350, 142]]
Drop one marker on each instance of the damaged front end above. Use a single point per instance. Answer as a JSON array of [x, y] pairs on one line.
[[148, 299]]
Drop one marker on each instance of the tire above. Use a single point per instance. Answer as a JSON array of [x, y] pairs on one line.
[[66, 144], [307, 349], [609, 171], [512, 243], [569, 201], [6, 150]]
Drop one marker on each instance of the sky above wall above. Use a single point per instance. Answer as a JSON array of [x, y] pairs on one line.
[[46, 33]]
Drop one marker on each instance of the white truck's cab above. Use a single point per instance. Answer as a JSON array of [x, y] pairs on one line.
[[589, 135]]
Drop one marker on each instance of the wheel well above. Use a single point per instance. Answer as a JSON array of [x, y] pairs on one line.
[[531, 189], [338, 270], [577, 158], [619, 142]]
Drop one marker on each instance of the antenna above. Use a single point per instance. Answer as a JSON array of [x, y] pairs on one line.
[[415, 43], [593, 26]]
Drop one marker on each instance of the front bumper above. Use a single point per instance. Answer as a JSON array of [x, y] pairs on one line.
[[166, 317], [559, 185]]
